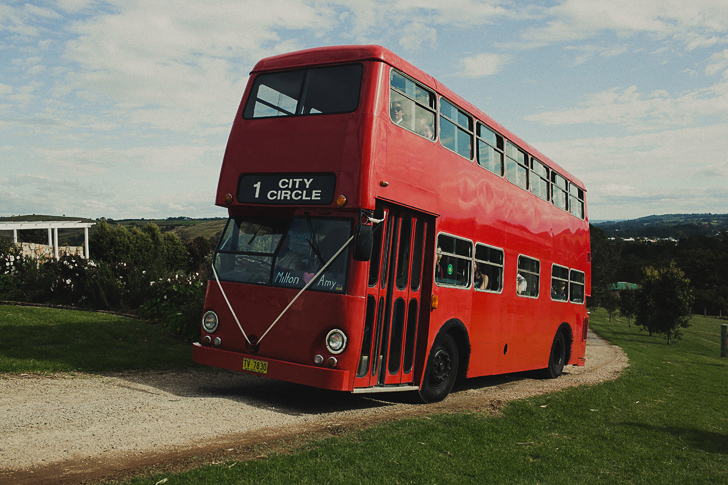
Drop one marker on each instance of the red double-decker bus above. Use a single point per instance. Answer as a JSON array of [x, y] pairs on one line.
[[387, 235]]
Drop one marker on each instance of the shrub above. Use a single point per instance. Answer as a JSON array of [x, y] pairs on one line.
[[137, 270], [176, 303]]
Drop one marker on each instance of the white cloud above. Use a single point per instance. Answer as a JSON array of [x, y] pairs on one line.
[[680, 170], [418, 35], [40, 12], [696, 24], [179, 64], [643, 111], [718, 62], [587, 52], [484, 64]]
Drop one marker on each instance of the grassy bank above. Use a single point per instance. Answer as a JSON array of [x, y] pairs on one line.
[[663, 421], [47, 340]]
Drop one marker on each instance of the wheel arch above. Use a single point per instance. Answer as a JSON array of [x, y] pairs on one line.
[[457, 330], [568, 332]]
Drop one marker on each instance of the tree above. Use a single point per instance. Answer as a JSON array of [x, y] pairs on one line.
[[198, 249], [610, 302], [605, 260], [664, 302], [628, 305]]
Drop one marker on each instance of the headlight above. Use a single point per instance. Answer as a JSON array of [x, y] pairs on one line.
[[209, 322], [336, 341]]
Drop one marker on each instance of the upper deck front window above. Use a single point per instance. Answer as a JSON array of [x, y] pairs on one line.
[[411, 105], [302, 92]]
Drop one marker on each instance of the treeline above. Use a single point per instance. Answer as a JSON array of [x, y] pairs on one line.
[[702, 258], [676, 226], [139, 270]]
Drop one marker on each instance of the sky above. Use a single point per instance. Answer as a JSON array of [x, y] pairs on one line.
[[122, 108]]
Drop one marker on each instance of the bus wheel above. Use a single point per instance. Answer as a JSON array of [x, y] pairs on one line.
[[557, 357], [441, 370]]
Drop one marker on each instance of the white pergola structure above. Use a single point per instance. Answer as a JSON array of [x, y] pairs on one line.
[[52, 227]]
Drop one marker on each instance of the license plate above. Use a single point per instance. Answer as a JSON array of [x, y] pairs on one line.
[[257, 366]]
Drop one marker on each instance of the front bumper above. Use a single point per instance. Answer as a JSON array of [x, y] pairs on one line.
[[309, 375]]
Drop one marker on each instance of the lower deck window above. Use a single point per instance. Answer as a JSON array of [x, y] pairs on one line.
[[576, 286], [488, 268], [454, 261], [284, 252], [527, 278], [559, 283]]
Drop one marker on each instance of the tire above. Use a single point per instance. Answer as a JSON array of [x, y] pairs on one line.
[[441, 370], [557, 357]]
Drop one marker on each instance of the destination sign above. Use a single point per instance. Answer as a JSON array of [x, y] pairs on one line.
[[287, 189]]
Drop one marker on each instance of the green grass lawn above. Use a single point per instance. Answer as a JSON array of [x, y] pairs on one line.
[[665, 420], [46, 340]]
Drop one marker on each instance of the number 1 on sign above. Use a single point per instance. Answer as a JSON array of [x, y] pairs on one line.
[[257, 189]]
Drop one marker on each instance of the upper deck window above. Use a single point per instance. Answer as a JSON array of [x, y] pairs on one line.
[[490, 150], [576, 201], [323, 90], [456, 129], [558, 191], [540, 179], [411, 105], [516, 166]]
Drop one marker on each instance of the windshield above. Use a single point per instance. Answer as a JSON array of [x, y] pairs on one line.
[[285, 252], [323, 90]]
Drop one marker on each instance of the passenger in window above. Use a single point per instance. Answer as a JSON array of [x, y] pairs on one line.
[[480, 279], [397, 113], [439, 273], [558, 291], [425, 129], [292, 257], [521, 284]]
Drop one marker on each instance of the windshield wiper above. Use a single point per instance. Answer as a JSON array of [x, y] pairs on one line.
[[254, 235], [312, 242]]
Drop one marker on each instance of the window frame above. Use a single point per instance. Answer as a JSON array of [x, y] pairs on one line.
[[432, 108], [524, 167], [458, 127], [499, 148], [468, 259], [576, 201], [565, 280], [540, 178], [529, 272], [501, 266], [581, 283], [564, 190], [306, 72]]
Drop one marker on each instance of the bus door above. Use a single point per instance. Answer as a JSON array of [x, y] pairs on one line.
[[395, 308]]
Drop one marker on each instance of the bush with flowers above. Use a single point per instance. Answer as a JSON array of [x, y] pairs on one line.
[[176, 303], [138, 271]]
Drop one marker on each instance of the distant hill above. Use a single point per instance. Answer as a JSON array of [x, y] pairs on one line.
[[668, 225], [185, 227], [41, 217]]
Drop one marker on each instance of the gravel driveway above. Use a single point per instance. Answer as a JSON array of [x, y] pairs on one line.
[[67, 428]]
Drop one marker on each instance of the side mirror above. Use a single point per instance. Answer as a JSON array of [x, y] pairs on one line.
[[363, 242]]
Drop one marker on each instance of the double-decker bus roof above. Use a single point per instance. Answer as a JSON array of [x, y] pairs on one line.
[[352, 53]]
